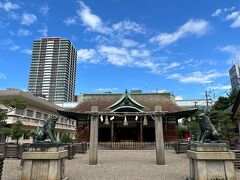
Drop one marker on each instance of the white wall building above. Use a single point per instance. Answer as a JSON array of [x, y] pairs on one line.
[[36, 114]]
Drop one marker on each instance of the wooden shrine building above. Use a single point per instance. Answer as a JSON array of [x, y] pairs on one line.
[[127, 117]]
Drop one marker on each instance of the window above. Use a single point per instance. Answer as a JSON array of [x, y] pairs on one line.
[[45, 116], [19, 111], [30, 113], [38, 115]]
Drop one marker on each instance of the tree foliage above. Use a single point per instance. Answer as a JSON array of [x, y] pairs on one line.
[[192, 126], [66, 138], [11, 105], [224, 102], [17, 130], [221, 116]]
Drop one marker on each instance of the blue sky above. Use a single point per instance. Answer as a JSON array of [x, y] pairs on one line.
[[184, 47]]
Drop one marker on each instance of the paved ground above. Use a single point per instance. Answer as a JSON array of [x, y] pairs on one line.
[[117, 165]]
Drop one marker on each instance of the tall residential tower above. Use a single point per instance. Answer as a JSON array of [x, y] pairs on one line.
[[53, 69], [234, 73]]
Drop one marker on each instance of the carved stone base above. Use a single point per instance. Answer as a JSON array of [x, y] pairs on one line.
[[48, 164], [214, 163]]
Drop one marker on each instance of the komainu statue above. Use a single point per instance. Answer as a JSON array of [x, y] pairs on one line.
[[208, 131], [47, 131]]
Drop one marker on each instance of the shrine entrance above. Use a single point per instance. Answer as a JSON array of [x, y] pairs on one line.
[[157, 116], [126, 134]]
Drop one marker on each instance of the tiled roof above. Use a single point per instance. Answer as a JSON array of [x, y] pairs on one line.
[[29, 99], [148, 100]]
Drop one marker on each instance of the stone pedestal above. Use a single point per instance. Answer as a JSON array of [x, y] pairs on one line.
[[1, 164], [44, 162], [211, 161]]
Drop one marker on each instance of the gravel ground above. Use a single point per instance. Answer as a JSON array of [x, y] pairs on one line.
[[117, 165]]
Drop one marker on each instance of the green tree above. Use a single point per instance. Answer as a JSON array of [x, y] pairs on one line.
[[224, 102], [17, 130], [179, 132], [10, 105], [221, 117], [65, 138], [192, 127]]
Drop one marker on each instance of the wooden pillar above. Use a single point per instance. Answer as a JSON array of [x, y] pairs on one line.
[[93, 148], [112, 131], [160, 155], [141, 132]]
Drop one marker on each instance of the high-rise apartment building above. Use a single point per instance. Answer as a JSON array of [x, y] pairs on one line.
[[234, 73], [53, 69]]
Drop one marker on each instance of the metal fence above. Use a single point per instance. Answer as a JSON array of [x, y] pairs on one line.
[[132, 146]]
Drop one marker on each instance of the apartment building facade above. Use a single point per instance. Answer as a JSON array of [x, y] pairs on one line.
[[53, 69]]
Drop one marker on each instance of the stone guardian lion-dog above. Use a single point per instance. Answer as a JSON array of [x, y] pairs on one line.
[[47, 131], [208, 131]]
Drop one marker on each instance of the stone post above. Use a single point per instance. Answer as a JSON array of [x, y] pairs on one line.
[[93, 148], [160, 155], [112, 131], [141, 132]]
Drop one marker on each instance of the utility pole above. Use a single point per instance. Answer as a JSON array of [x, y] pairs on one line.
[[206, 95]]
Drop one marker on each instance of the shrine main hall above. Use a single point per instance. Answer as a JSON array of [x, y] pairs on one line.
[[127, 116]]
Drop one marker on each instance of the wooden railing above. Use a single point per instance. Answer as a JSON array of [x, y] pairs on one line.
[[131, 146]]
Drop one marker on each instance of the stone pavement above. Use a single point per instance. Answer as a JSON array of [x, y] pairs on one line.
[[117, 165]]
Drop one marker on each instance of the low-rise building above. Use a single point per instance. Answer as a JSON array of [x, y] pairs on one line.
[[35, 114], [201, 104]]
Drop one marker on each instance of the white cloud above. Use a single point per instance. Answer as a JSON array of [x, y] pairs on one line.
[[129, 43], [233, 50], [196, 27], [219, 87], [197, 77], [28, 19], [14, 47], [229, 9], [139, 53], [217, 12], [171, 66], [8, 6], [87, 55], [44, 31], [70, 21], [44, 9], [92, 21], [3, 76], [27, 51], [178, 98], [24, 32], [235, 17], [128, 27], [106, 89], [3, 24], [116, 56]]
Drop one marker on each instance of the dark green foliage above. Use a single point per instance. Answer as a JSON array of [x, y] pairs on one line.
[[192, 126], [179, 132], [13, 103], [224, 102], [66, 138], [221, 117], [223, 123], [10, 104], [17, 131]]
